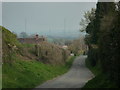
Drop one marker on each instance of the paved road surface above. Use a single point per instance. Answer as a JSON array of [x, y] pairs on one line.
[[76, 77]]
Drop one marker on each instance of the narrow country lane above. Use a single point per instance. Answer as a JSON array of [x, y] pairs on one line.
[[76, 77]]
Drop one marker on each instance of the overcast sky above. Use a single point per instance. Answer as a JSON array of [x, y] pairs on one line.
[[44, 18]]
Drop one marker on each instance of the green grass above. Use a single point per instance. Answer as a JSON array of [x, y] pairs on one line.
[[0, 76], [96, 70], [28, 45], [100, 80], [19, 73], [29, 74]]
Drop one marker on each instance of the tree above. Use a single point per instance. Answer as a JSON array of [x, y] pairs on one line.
[[88, 17], [104, 32], [23, 35]]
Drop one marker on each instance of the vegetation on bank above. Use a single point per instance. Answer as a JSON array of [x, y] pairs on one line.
[[103, 40], [29, 74], [77, 46], [100, 80], [23, 69]]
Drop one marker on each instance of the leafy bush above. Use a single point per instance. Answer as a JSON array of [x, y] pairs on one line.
[[10, 45], [93, 56]]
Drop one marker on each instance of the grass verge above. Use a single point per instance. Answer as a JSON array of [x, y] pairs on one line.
[[29, 74], [100, 80]]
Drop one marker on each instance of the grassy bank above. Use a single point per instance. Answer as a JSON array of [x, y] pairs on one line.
[[100, 80], [29, 74], [22, 68]]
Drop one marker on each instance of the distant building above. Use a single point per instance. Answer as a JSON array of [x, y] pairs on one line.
[[34, 40], [65, 47]]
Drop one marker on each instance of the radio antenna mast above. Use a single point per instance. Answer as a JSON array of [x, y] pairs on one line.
[[64, 26], [25, 25]]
